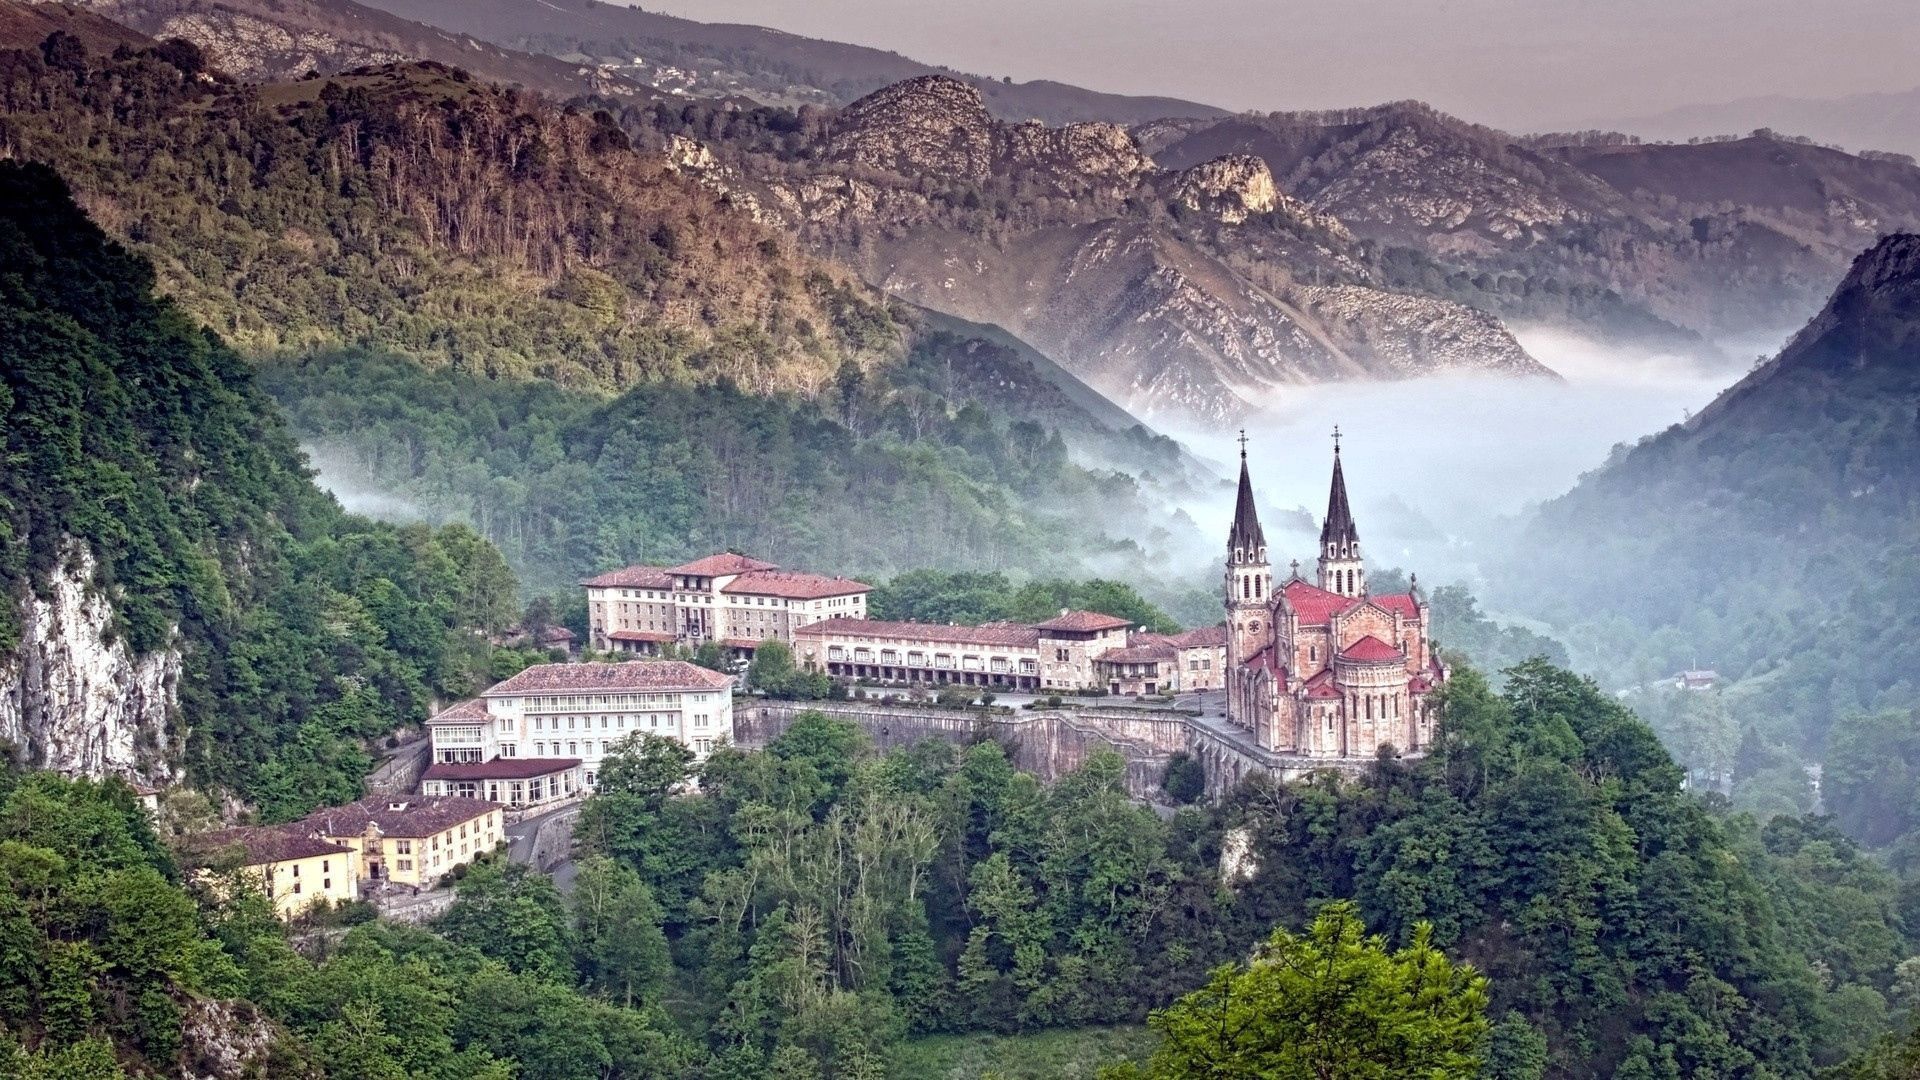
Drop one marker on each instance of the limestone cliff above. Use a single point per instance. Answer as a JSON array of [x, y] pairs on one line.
[[1192, 291], [73, 697]]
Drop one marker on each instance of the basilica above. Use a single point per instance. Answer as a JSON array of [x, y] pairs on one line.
[[1324, 668]]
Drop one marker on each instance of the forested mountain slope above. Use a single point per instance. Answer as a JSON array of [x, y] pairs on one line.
[[416, 209], [178, 596], [1776, 535], [412, 211]]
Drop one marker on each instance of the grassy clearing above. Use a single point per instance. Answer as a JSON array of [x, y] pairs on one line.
[[1047, 1055]]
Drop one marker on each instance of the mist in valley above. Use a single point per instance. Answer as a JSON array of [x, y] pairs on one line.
[[1442, 470]]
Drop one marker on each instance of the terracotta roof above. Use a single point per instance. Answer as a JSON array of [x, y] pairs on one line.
[[1419, 684], [1083, 622], [470, 711], [1312, 603], [1204, 637], [659, 636], [742, 643], [721, 565], [596, 678], [556, 633], [500, 768], [1321, 686], [794, 585], [397, 815], [1369, 649], [1004, 635], [1317, 606], [258, 845], [1138, 653], [1404, 603], [632, 577]]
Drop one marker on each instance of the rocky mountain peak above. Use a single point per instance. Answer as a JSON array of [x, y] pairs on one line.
[[1232, 188], [1890, 268], [1873, 317], [930, 124]]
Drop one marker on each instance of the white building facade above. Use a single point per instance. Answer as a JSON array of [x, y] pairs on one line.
[[540, 736]]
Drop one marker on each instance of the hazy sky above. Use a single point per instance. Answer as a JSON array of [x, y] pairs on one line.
[[1517, 63]]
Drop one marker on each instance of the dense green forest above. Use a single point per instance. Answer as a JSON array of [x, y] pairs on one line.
[[416, 210], [821, 903], [142, 439], [568, 485], [400, 239]]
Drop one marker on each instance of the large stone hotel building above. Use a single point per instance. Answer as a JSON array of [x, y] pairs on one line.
[[727, 598], [539, 736]]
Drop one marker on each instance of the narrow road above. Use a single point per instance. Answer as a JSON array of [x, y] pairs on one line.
[[544, 842]]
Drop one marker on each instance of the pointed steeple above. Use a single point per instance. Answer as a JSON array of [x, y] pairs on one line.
[[1338, 529], [1341, 568], [1246, 535]]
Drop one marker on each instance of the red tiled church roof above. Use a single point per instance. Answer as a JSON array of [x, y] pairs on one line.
[[1369, 649], [1317, 606], [655, 636], [1321, 686]]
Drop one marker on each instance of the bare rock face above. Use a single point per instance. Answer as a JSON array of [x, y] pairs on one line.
[[932, 125], [1092, 151], [255, 49], [1232, 188], [73, 698], [224, 1040]]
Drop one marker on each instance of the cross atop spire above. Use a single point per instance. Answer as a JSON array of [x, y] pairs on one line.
[[1246, 535], [1338, 528]]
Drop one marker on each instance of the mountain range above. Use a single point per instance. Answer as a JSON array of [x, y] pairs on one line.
[[1887, 122], [708, 60], [1182, 262]]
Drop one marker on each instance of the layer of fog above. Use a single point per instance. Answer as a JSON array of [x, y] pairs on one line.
[[1437, 467], [344, 478]]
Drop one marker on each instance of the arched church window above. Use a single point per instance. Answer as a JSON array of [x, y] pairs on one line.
[[1246, 588], [1256, 588]]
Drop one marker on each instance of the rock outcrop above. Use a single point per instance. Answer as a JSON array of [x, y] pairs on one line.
[[1190, 292], [73, 697]]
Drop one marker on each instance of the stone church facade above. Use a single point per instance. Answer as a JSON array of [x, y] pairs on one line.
[[1324, 669]]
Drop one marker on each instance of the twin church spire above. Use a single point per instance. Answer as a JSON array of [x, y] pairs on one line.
[[1341, 568]]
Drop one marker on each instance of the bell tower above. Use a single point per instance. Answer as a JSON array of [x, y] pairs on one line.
[[1249, 581], [1341, 568]]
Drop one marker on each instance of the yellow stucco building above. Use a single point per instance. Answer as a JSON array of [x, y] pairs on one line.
[[411, 839], [294, 869]]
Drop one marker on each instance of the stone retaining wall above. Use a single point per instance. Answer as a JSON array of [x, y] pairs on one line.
[[1047, 743]]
